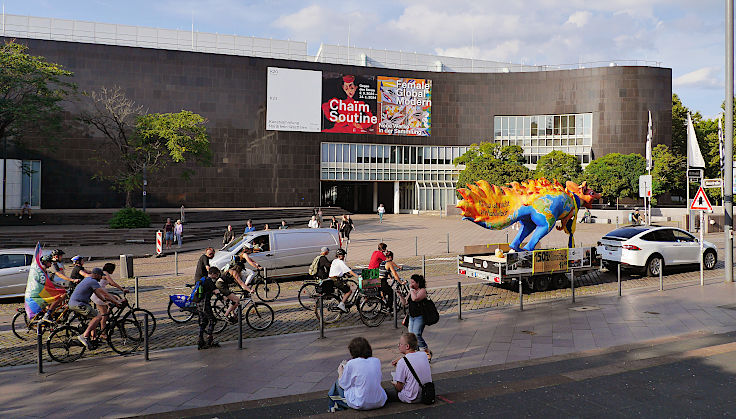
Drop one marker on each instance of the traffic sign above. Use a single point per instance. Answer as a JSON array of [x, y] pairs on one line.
[[645, 186], [700, 202], [712, 183]]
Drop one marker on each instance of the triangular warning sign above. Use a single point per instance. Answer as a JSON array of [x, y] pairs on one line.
[[700, 202]]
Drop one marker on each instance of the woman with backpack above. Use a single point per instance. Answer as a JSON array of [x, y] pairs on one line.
[[416, 298]]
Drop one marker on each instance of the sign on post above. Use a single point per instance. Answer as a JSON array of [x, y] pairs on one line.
[[701, 202], [645, 186], [159, 242], [712, 183]]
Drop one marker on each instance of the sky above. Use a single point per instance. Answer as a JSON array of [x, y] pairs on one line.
[[686, 36]]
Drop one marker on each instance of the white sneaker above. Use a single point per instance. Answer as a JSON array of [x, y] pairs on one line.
[[341, 306], [84, 341]]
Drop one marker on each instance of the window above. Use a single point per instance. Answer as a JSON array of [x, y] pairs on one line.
[[563, 125], [496, 126], [512, 126], [557, 125], [338, 153], [325, 155], [664, 235], [534, 126], [549, 125], [12, 261], [525, 128], [504, 126], [682, 237], [571, 124]]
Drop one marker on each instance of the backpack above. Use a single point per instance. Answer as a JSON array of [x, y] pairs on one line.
[[427, 395], [430, 313], [197, 291], [314, 267]]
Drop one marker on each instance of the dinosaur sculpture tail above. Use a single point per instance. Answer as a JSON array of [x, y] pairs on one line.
[[490, 206]]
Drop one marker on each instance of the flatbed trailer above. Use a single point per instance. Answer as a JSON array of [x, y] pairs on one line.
[[540, 270]]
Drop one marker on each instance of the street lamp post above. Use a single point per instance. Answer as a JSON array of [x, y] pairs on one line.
[[728, 144], [145, 183]]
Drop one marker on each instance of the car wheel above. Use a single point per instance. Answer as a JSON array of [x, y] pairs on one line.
[[655, 264], [609, 266], [709, 259]]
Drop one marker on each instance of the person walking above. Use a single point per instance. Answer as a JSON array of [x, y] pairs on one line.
[[346, 227], [229, 236], [313, 223], [249, 227], [168, 233], [319, 216], [358, 384], [178, 229], [417, 294], [381, 210]]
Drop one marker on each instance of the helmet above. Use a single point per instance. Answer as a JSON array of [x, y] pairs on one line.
[[46, 258], [57, 252], [76, 258], [341, 252]]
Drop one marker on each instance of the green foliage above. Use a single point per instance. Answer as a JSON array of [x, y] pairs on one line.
[[558, 165], [493, 163], [31, 90], [130, 218], [667, 173], [679, 126], [615, 175], [144, 142]]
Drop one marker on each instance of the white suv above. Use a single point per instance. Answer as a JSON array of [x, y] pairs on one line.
[[651, 247]]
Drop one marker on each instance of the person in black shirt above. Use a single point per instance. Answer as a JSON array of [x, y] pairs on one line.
[[206, 287], [78, 271], [203, 265], [228, 237], [323, 266]]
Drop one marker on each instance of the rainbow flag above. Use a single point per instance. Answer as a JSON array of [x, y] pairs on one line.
[[40, 291]]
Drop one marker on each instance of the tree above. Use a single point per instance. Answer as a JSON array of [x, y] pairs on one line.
[[668, 171], [558, 165], [615, 175], [491, 162], [142, 141], [31, 92]]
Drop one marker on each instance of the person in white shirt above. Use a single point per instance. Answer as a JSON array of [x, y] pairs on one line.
[[338, 269], [358, 384], [381, 210], [313, 223], [406, 387]]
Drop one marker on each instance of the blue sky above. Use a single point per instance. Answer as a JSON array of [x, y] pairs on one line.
[[683, 35]]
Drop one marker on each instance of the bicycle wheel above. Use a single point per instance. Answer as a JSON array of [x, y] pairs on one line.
[[332, 313], [139, 315], [63, 345], [219, 306], [20, 325], [259, 316], [178, 314], [308, 295], [373, 311], [125, 336], [268, 289]]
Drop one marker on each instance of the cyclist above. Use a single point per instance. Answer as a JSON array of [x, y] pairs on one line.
[[389, 268], [378, 256], [47, 261], [106, 279], [338, 270], [245, 256], [78, 271], [323, 264], [80, 302], [58, 268], [230, 277]]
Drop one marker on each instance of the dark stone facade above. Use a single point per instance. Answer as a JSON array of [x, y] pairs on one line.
[[255, 168]]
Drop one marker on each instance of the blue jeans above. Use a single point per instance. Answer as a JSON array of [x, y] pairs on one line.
[[416, 326], [337, 398], [380, 217]]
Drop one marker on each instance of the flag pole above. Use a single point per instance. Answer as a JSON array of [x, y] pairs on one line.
[[728, 146]]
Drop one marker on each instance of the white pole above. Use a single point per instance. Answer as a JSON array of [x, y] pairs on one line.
[[702, 227]]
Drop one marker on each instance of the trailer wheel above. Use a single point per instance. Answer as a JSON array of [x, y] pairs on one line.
[[541, 283], [560, 281]]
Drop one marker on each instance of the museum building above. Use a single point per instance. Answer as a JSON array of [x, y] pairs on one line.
[[352, 127]]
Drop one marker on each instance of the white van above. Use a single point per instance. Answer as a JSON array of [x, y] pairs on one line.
[[283, 253]]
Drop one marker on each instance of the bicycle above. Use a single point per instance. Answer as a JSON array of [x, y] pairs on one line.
[[123, 335], [267, 289], [28, 328], [182, 308], [140, 314], [308, 293], [371, 308], [258, 315]]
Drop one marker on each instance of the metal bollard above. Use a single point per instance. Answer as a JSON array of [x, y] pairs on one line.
[[448, 243], [240, 326], [424, 266], [617, 221], [396, 312], [137, 301], [661, 281], [321, 318], [459, 301], [619, 279], [176, 263], [521, 296], [145, 338], [572, 284], [507, 237], [39, 338], [416, 245]]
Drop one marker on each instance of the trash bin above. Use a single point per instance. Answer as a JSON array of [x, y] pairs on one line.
[[126, 266]]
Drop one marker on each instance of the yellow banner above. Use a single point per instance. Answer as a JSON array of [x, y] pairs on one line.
[[553, 260]]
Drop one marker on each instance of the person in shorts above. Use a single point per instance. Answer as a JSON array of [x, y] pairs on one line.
[[338, 269], [168, 233], [230, 278], [79, 302]]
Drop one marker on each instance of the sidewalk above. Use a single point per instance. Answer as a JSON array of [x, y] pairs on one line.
[[301, 363]]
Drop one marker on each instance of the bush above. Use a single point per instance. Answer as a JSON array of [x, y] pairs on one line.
[[130, 218]]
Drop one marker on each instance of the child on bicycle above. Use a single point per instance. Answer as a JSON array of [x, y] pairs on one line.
[[205, 288], [231, 277], [389, 268], [245, 258]]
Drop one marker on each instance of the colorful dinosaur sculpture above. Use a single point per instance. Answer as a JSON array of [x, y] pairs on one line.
[[536, 204]]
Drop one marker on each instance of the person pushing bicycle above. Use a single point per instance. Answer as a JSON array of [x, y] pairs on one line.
[[201, 296], [338, 270]]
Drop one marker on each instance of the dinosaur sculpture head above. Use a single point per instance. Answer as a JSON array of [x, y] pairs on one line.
[[586, 194]]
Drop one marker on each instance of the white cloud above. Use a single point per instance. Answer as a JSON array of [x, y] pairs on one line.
[[704, 78], [579, 18]]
